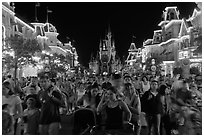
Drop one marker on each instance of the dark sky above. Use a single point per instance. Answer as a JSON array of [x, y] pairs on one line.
[[87, 22]]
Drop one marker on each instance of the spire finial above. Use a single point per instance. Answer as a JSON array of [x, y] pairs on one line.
[[48, 11], [37, 4], [133, 38]]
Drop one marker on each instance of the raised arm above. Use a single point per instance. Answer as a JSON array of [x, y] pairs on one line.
[[101, 104], [126, 109]]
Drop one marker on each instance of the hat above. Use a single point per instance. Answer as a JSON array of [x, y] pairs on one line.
[[155, 80], [127, 76]]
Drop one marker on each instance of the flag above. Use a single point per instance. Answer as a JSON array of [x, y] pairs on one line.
[[37, 4]]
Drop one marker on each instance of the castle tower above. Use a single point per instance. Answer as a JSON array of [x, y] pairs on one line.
[[171, 13]]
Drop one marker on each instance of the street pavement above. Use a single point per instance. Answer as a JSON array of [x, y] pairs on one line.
[[67, 125]]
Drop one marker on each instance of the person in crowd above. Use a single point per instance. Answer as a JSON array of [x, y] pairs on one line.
[[195, 93], [22, 82], [14, 101], [33, 87], [11, 81], [127, 79], [72, 98], [162, 80], [145, 85], [80, 91], [51, 100], [118, 84], [114, 110], [31, 117], [164, 96], [89, 99], [7, 121], [168, 79], [133, 102], [151, 105], [183, 95], [137, 84]]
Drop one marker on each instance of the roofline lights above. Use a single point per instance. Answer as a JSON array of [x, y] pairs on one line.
[[16, 18], [58, 48], [196, 60], [167, 62], [8, 10]]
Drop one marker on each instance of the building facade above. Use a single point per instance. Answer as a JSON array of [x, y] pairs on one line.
[[45, 33], [106, 61], [175, 44]]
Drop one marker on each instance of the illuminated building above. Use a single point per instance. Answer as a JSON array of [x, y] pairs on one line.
[[174, 43], [45, 33], [134, 59], [106, 60]]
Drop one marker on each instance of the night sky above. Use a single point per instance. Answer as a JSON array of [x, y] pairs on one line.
[[87, 22]]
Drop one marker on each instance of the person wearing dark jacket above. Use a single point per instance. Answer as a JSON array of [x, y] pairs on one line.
[[152, 106], [51, 100]]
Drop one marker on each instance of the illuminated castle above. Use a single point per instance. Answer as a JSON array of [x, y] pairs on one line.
[[106, 61]]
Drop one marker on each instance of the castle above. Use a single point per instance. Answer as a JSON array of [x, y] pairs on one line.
[[106, 61]]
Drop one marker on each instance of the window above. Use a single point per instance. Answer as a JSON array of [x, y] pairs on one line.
[[38, 31], [43, 31], [51, 28], [46, 28], [20, 28], [15, 28], [171, 15]]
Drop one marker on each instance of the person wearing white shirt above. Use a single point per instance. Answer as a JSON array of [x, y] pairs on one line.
[[14, 101]]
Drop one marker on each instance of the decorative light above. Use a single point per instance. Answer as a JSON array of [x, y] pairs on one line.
[[43, 52], [36, 58], [153, 61]]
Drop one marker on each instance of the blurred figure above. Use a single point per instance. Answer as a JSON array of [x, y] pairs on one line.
[[183, 95], [14, 102], [133, 101], [145, 85], [164, 96], [33, 87], [117, 83], [138, 85], [31, 117], [7, 121]]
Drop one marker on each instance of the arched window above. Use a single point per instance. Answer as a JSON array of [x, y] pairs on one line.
[[46, 28], [172, 16], [38, 31]]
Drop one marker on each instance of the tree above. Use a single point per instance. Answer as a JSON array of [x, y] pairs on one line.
[[23, 49], [57, 62]]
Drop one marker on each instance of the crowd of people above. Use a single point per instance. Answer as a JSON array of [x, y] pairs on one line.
[[160, 104]]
